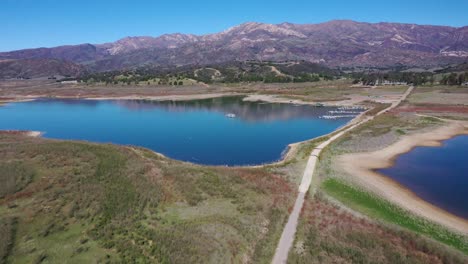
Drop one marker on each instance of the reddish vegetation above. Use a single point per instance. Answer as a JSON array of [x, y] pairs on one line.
[[18, 195], [279, 188], [13, 132], [261, 179], [330, 232], [28, 192], [327, 216]]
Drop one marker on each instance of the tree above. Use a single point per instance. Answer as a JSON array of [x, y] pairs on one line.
[[431, 80], [452, 79], [461, 78]]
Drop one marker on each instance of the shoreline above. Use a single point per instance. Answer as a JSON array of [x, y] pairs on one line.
[[282, 100], [293, 147], [247, 98], [27, 133], [287, 153], [361, 167], [165, 97], [16, 100], [129, 97]]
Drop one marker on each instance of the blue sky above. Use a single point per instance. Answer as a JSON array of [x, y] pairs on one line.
[[46, 23]]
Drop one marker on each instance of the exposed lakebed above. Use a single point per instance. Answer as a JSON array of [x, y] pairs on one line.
[[196, 131], [438, 175]]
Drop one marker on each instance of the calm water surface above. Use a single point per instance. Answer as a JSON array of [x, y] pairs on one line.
[[438, 175], [197, 131]]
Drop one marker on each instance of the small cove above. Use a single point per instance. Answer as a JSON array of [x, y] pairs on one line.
[[438, 175]]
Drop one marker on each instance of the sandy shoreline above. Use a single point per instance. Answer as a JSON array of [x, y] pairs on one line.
[[166, 97], [283, 100], [27, 133], [16, 99], [34, 133], [129, 97], [361, 167], [247, 98]]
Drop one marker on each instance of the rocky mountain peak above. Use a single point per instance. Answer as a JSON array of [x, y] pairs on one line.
[[272, 29], [337, 43]]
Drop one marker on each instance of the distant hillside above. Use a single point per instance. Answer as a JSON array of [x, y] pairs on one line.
[[334, 44], [228, 72], [32, 68]]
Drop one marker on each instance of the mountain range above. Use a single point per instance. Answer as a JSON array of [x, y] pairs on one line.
[[338, 43]]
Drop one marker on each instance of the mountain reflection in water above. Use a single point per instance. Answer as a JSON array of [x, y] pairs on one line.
[[197, 131], [246, 110]]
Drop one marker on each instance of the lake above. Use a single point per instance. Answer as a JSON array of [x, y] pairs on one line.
[[197, 131], [438, 175]]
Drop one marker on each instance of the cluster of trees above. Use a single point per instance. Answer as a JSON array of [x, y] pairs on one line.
[[271, 78], [133, 77], [300, 78], [416, 78], [445, 77], [229, 72], [455, 78], [208, 75], [288, 72], [269, 72]]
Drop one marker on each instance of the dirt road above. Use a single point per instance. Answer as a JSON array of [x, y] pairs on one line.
[[289, 231]]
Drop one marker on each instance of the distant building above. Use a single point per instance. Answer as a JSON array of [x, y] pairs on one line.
[[393, 83], [69, 82]]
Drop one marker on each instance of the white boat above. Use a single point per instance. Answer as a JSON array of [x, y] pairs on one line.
[[343, 112], [335, 116], [231, 115]]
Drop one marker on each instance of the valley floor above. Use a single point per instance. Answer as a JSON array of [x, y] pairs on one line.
[[83, 202]]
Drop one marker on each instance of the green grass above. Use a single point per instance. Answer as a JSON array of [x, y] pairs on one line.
[[384, 210], [78, 202], [62, 244], [400, 131]]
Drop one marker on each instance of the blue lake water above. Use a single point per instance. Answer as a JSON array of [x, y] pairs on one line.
[[196, 131], [438, 175]]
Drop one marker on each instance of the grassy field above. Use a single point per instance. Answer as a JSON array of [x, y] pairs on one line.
[[78, 202], [379, 132], [313, 91], [330, 233], [380, 209], [439, 94]]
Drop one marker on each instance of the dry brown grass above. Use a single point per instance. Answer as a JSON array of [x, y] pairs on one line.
[[439, 95]]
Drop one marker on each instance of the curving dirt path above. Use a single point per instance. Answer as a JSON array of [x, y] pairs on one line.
[[289, 231]]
